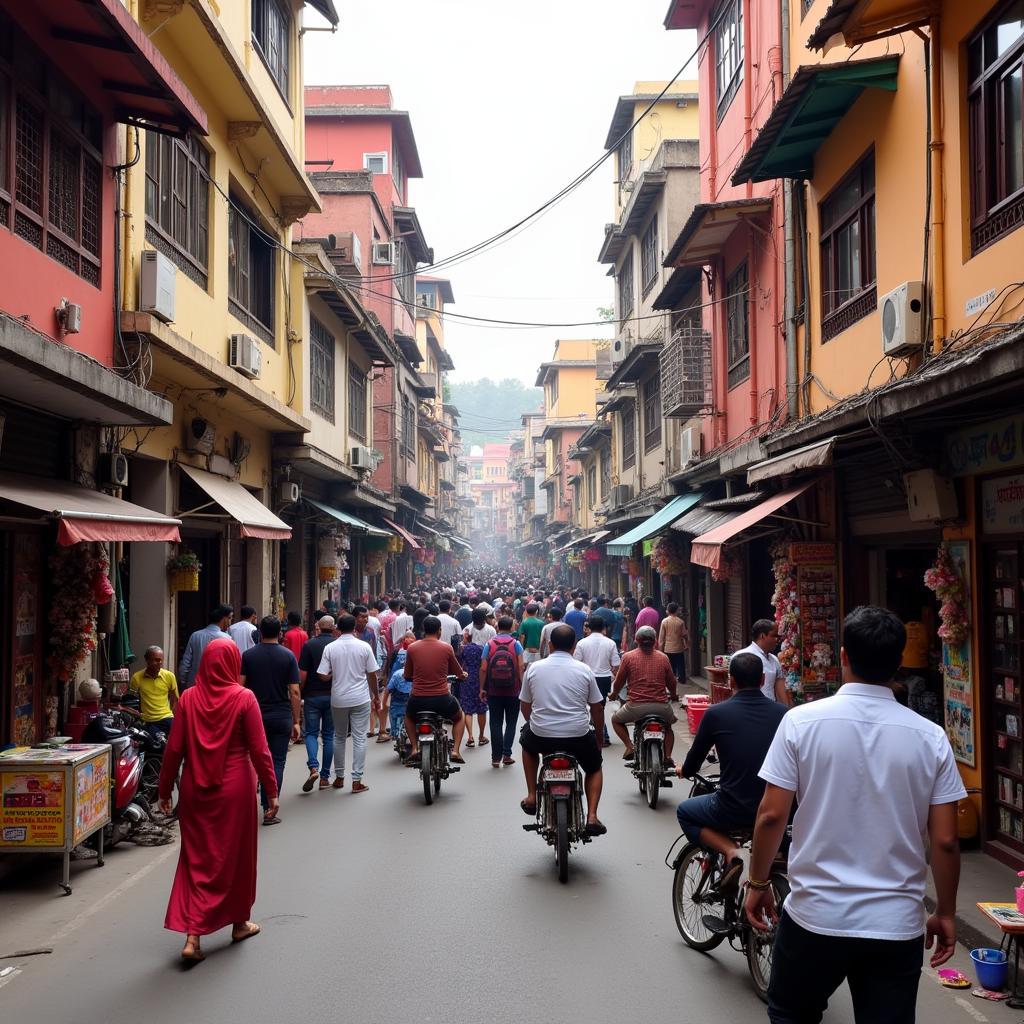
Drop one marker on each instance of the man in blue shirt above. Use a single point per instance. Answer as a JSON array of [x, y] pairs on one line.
[[575, 617], [220, 619], [603, 611]]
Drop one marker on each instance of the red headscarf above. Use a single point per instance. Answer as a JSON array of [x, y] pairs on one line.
[[213, 705]]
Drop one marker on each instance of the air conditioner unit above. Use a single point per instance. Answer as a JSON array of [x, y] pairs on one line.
[[360, 457], [903, 319], [288, 492], [347, 254], [384, 253], [689, 446], [621, 347], [622, 494], [156, 285], [200, 435], [931, 498], [113, 469], [244, 355]]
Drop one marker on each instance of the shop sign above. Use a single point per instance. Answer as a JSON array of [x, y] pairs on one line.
[[987, 447], [957, 675], [32, 811], [809, 553], [92, 795], [1002, 505]]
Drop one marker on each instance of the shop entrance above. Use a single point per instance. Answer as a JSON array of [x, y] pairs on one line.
[[194, 607]]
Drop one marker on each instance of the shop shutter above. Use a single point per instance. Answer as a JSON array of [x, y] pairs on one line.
[[735, 627], [35, 444]]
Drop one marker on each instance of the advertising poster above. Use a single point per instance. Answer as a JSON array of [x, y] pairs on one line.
[[31, 808], [92, 795], [957, 674]]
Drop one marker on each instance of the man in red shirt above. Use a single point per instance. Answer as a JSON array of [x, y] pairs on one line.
[[651, 681], [294, 636], [428, 664]]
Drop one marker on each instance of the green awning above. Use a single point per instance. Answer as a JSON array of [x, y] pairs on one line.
[[348, 520], [815, 102], [658, 523]]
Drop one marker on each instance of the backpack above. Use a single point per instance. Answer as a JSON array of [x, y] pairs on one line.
[[502, 670]]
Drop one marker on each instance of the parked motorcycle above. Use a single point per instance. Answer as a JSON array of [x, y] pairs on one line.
[[129, 808], [435, 752], [706, 916], [648, 766], [152, 745], [561, 820]]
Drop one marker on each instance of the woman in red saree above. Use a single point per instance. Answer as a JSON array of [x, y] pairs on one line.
[[218, 731]]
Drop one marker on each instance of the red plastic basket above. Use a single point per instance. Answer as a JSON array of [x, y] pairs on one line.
[[695, 708]]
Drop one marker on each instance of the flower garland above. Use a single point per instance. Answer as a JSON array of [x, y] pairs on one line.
[[945, 580], [729, 568], [75, 571], [669, 557], [787, 614]]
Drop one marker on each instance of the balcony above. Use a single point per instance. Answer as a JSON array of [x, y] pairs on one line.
[[685, 364]]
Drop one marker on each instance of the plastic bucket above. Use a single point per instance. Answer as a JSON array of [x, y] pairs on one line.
[[694, 713], [991, 968]]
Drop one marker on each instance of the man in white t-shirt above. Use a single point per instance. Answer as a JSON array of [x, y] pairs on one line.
[[601, 653], [450, 627], [877, 790], [244, 631], [560, 702], [766, 639], [350, 665], [401, 624]]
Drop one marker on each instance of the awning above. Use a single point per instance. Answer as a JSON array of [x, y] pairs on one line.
[[708, 229], [460, 543], [703, 520], [658, 523], [816, 101], [347, 519], [256, 520], [812, 456], [413, 542], [326, 8], [706, 549], [85, 515]]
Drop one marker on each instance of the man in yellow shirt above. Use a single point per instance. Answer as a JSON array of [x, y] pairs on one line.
[[158, 692]]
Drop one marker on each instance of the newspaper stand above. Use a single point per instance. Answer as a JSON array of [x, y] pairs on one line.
[[54, 798]]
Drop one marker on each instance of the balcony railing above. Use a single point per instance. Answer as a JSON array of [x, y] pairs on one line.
[[686, 374]]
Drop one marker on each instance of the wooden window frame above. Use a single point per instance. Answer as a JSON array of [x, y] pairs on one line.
[[252, 270], [626, 288], [357, 406], [321, 369], [858, 304], [628, 421], [624, 155], [652, 413], [408, 427], [728, 58], [649, 256], [592, 494], [737, 325], [605, 459], [278, 67]]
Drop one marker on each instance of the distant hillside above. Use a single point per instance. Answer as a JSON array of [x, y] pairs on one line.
[[489, 410]]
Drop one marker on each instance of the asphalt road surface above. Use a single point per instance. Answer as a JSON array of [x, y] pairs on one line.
[[377, 908]]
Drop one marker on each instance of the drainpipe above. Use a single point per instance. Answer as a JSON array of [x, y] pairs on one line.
[[748, 102], [751, 302], [789, 270], [938, 191]]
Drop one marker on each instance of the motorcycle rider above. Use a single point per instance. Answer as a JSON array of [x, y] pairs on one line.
[[560, 701], [741, 729], [652, 683]]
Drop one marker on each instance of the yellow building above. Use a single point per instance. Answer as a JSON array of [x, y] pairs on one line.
[[214, 317]]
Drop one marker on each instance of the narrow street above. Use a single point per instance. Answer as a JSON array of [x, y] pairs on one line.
[[381, 909]]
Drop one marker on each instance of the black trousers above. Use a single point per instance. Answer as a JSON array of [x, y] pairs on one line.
[[807, 968]]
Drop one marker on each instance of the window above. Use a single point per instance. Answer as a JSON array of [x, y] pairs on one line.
[[396, 168], [271, 32], [626, 288], [405, 278], [178, 202], [624, 156], [728, 53], [321, 369], [737, 325], [995, 62], [652, 413], [848, 250], [375, 163], [356, 402], [252, 263], [408, 426], [649, 256], [51, 159], [606, 471], [553, 388], [628, 437], [592, 495]]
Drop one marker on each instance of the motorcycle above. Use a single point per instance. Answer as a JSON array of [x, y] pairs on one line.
[[561, 821], [435, 752], [152, 744], [648, 766], [706, 916], [129, 808]]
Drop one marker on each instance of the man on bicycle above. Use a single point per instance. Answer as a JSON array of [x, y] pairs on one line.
[[428, 664], [741, 729]]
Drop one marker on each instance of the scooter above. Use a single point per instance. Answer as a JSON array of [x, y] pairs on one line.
[[648, 766], [128, 807], [560, 818]]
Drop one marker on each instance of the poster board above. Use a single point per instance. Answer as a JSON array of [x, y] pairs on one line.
[[32, 807], [817, 584], [958, 672]]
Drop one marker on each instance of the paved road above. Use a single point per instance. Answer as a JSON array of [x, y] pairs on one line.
[[377, 908]]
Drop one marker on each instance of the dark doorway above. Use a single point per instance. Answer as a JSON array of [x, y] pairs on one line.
[[194, 607]]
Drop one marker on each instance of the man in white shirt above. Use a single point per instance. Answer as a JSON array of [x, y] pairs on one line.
[[560, 702], [602, 655], [877, 790], [243, 632], [401, 625], [766, 639], [555, 616], [350, 666], [450, 627]]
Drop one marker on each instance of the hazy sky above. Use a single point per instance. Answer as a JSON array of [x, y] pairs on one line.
[[509, 102]]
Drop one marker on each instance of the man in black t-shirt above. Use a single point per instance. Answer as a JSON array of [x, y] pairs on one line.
[[316, 706], [272, 673]]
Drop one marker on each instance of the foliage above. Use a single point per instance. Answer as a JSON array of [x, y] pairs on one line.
[[945, 580], [184, 560], [490, 410], [606, 313]]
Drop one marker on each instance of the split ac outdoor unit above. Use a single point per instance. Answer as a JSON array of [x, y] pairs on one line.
[[288, 492], [621, 494], [113, 469], [384, 253], [931, 498], [620, 349], [346, 253], [360, 457], [244, 355], [156, 285], [689, 446], [903, 319], [200, 435]]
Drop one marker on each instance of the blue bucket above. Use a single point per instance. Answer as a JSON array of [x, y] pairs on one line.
[[991, 968]]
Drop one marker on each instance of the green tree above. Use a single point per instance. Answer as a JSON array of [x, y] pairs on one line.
[[490, 410]]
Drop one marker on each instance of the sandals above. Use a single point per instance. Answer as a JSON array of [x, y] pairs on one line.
[[483, 741], [530, 809], [730, 879], [249, 933], [596, 828], [457, 759], [472, 743], [508, 760], [271, 820], [381, 738]]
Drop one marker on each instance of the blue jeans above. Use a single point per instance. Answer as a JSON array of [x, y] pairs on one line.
[[396, 715], [319, 723], [164, 726], [507, 709], [707, 812], [277, 724]]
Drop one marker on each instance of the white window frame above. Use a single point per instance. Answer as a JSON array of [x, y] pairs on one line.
[[367, 157]]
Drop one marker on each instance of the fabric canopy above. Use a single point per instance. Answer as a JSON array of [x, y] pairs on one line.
[[660, 521], [413, 542], [85, 515], [812, 456], [706, 549], [256, 520], [348, 520], [460, 543]]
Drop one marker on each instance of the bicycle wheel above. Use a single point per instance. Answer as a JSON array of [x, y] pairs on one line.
[[761, 944], [150, 781], [695, 894], [653, 775], [562, 840], [426, 772]]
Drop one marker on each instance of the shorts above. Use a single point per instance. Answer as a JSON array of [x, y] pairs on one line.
[[630, 712], [707, 812], [584, 748], [445, 706]]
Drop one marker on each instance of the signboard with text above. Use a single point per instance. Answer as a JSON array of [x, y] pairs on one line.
[[957, 674], [1002, 504], [32, 808], [987, 447]]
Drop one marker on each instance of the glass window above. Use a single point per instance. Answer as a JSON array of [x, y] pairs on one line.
[[737, 305], [728, 36], [624, 155], [628, 437], [356, 402], [321, 369], [375, 163], [271, 32], [649, 256], [626, 297], [252, 265], [652, 413]]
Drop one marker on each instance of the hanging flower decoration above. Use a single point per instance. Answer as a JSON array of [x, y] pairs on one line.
[[75, 571], [592, 554], [787, 614], [729, 569], [944, 579], [669, 557]]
